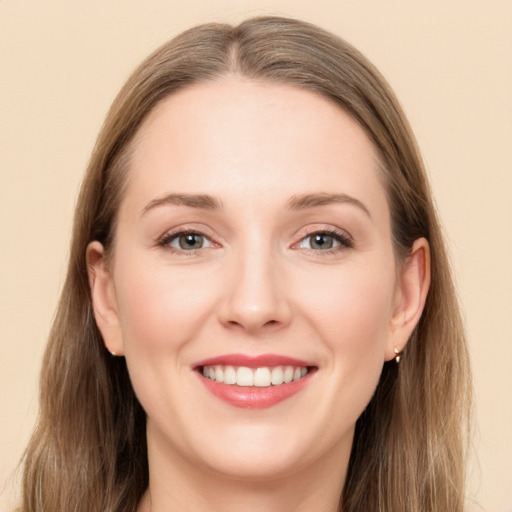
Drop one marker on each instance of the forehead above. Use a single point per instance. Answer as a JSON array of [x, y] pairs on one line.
[[238, 136]]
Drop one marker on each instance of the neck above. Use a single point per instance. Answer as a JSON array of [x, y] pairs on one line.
[[177, 485]]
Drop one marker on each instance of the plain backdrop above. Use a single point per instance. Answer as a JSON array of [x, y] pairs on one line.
[[450, 63]]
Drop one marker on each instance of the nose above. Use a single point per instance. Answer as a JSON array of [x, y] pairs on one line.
[[255, 298]]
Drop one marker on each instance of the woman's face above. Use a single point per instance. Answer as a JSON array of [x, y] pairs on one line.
[[253, 246]]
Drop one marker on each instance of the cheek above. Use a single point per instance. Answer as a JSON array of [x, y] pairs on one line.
[[160, 308], [353, 306], [350, 315]]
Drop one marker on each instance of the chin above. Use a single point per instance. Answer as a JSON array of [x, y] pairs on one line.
[[264, 452], [253, 463]]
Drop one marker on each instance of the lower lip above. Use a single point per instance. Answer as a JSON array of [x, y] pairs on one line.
[[253, 397]]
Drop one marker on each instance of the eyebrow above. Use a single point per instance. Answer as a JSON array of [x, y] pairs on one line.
[[302, 202], [203, 201], [296, 202]]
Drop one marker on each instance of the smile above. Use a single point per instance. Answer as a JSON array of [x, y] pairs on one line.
[[254, 382], [254, 377]]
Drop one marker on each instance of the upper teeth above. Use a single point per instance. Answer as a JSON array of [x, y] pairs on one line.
[[259, 377]]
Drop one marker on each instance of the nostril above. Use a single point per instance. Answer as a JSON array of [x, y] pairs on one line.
[[270, 323]]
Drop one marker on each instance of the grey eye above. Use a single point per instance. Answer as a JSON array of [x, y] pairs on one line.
[[319, 241], [190, 241]]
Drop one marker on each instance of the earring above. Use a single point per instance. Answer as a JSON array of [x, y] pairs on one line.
[[112, 353], [398, 354]]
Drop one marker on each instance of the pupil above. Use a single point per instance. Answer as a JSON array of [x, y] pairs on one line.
[[191, 241], [322, 241]]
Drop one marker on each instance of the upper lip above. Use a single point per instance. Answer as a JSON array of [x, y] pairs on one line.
[[250, 361]]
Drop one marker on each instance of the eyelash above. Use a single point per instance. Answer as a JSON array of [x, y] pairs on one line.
[[345, 242]]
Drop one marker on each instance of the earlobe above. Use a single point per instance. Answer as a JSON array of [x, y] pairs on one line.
[[412, 289], [103, 298]]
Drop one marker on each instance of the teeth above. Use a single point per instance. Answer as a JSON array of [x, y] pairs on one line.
[[219, 374], [277, 375], [229, 375], [254, 377], [262, 377], [288, 374], [244, 377]]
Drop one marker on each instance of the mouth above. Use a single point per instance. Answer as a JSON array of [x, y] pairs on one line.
[[254, 382], [262, 377]]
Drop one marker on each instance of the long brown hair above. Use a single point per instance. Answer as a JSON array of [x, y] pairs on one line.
[[88, 452]]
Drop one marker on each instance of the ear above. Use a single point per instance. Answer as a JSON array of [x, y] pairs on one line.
[[103, 298], [413, 281]]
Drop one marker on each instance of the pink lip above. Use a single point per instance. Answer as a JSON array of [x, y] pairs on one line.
[[253, 397], [252, 361]]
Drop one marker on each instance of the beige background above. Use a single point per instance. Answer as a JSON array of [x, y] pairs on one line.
[[450, 62]]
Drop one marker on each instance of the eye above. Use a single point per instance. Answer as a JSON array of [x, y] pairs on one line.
[[187, 241], [324, 241]]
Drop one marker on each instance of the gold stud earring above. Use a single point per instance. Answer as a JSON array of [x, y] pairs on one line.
[[398, 354]]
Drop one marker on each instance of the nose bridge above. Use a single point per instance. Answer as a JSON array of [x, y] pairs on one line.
[[255, 298]]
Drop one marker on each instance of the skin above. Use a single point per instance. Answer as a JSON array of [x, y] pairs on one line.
[[256, 286]]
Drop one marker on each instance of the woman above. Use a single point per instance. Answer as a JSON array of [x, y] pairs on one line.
[[258, 312]]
